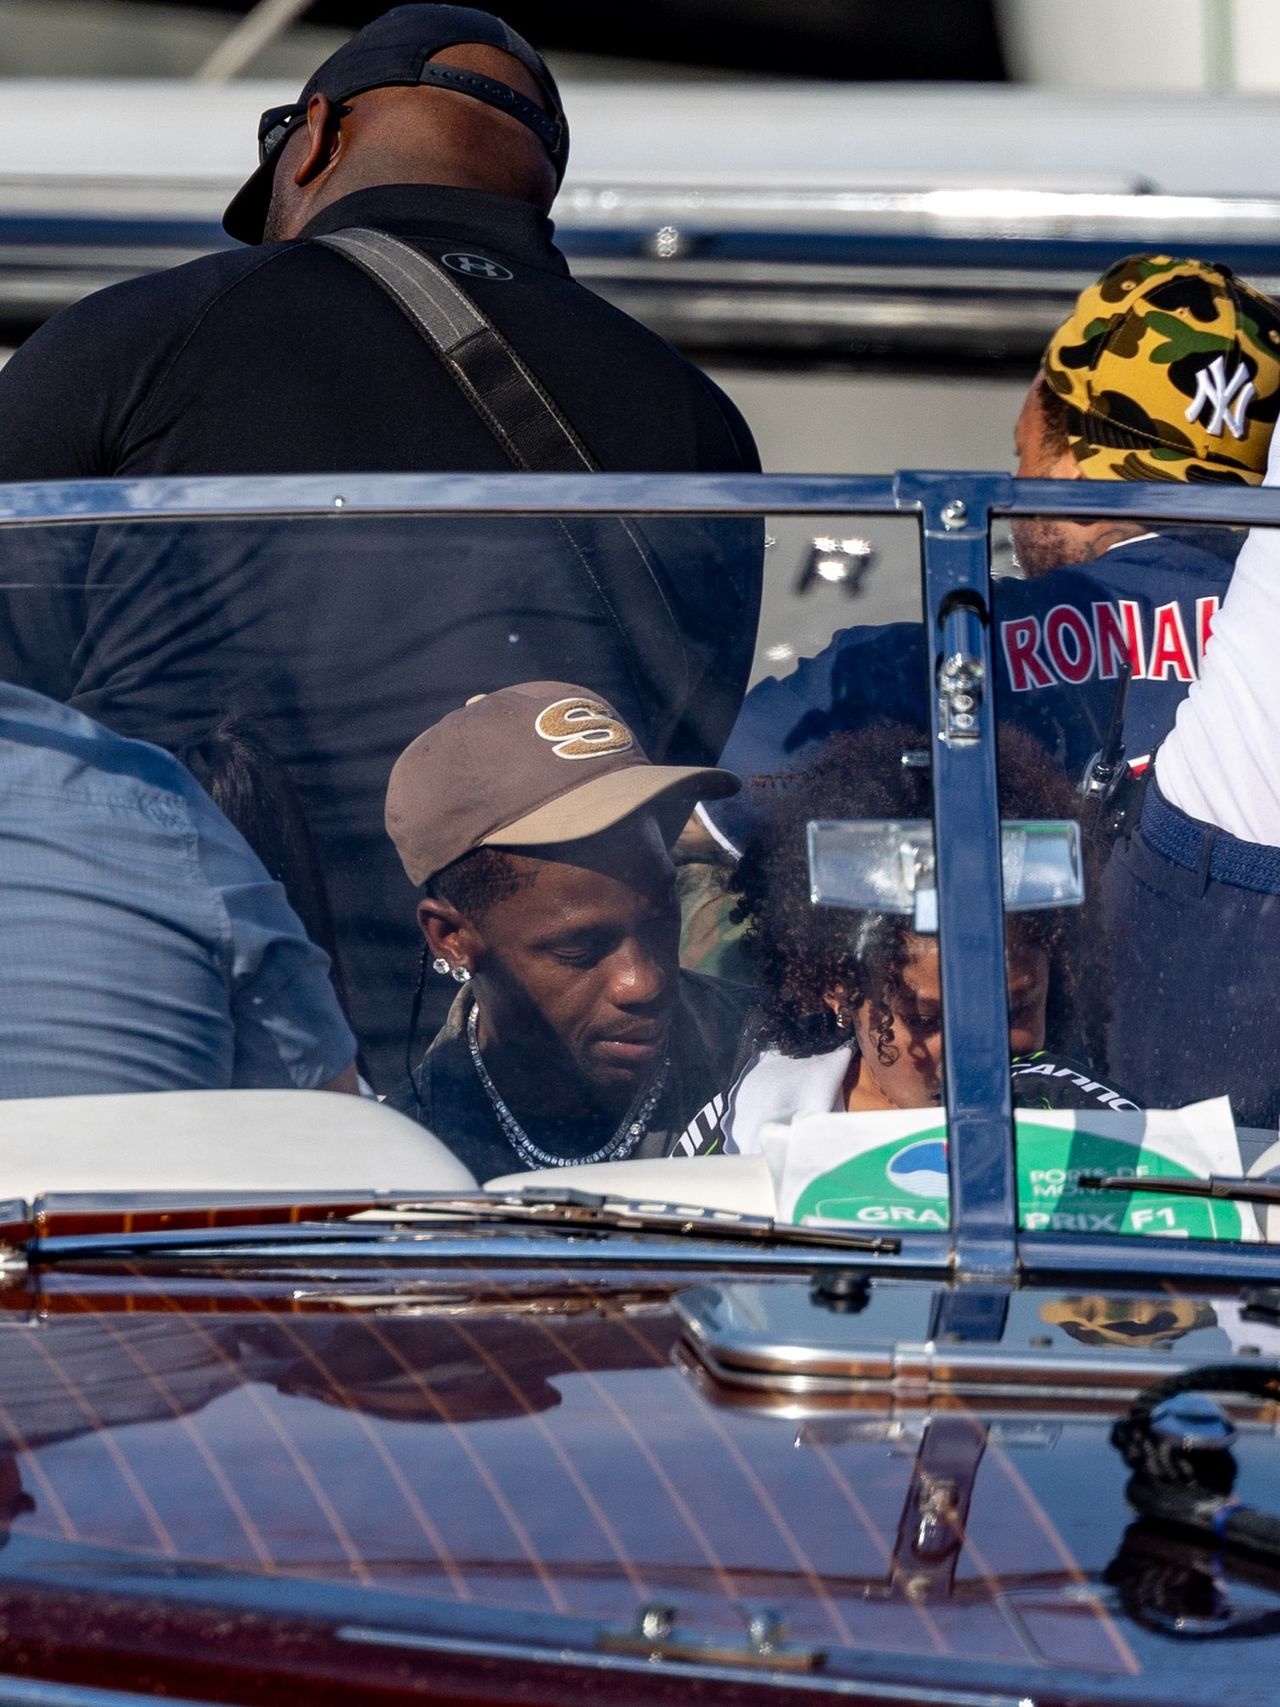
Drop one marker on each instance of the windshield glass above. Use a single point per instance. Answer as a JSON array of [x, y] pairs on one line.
[[421, 815], [1108, 629], [496, 838]]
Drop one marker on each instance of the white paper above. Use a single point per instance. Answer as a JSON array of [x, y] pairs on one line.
[[887, 1171]]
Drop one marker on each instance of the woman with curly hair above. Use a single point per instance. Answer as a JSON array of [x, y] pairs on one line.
[[851, 1016]]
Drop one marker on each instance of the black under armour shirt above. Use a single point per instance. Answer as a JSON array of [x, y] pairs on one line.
[[285, 359]]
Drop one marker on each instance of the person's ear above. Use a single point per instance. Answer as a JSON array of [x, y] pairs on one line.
[[1066, 466], [449, 935], [324, 141]]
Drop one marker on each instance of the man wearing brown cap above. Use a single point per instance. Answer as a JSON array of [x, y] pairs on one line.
[[538, 831]]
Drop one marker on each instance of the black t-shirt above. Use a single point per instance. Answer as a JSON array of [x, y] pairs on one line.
[[706, 1034], [1044, 1080], [286, 359], [339, 640]]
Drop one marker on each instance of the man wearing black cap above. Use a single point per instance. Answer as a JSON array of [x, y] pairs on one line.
[[481, 58], [436, 126], [535, 828]]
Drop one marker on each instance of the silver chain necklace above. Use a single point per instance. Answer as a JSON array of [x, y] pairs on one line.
[[635, 1121]]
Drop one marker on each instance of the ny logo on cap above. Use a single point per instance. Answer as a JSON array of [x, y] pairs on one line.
[[1214, 388], [582, 729]]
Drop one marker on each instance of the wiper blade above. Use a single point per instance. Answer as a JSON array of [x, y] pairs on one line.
[[1229, 1186], [80, 1220], [594, 1209]]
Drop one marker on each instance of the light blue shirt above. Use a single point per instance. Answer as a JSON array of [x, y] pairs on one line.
[[143, 945]]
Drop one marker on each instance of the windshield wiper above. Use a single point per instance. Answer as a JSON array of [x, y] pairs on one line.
[[1229, 1186], [62, 1225], [596, 1209]]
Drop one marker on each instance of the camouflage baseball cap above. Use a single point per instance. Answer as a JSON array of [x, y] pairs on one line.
[[1170, 370]]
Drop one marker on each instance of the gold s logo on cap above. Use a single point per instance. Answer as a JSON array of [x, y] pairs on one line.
[[582, 729]]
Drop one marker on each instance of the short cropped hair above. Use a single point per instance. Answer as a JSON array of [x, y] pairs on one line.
[[1054, 419], [480, 878]]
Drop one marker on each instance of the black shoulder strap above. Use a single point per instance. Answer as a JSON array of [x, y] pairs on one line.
[[510, 400], [536, 436]]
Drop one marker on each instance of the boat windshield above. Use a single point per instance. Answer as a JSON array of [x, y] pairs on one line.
[[1119, 638], [498, 767], [649, 819]]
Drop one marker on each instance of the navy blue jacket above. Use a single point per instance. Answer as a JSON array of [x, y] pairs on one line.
[[1059, 642]]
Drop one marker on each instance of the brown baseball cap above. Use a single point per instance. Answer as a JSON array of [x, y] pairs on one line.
[[525, 767]]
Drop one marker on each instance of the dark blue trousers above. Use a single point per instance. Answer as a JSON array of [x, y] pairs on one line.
[[1193, 919]]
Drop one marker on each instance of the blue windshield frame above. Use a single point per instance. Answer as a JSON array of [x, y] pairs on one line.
[[955, 512]]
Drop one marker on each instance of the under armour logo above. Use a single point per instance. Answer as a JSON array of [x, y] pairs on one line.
[[1214, 388], [476, 267]]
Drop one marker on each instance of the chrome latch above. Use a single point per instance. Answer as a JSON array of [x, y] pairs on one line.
[[961, 677]]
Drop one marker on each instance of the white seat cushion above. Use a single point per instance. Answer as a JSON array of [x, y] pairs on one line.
[[741, 1184], [218, 1141]]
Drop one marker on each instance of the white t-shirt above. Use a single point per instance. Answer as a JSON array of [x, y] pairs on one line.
[[773, 1086], [1221, 761]]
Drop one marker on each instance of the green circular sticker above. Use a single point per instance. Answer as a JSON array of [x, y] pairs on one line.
[[900, 1184]]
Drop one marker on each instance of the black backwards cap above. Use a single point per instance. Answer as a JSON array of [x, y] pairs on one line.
[[393, 51]]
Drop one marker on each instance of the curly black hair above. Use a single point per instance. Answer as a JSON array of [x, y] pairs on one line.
[[804, 952]]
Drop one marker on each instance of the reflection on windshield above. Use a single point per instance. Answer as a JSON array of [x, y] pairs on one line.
[[289, 665], [556, 905], [321, 643], [538, 942], [1186, 905], [851, 1002]]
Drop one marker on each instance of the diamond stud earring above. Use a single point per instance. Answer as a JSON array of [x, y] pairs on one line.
[[460, 974], [441, 965]]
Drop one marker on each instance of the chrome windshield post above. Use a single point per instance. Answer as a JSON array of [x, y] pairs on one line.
[[954, 513]]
